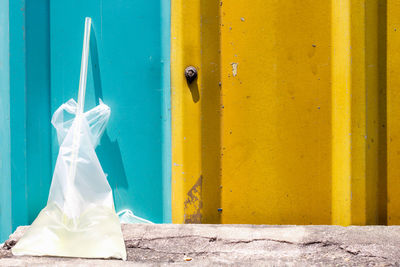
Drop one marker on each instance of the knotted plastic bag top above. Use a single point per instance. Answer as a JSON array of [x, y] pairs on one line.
[[97, 119]]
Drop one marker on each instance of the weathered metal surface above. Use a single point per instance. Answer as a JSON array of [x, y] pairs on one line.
[[290, 127], [195, 111]]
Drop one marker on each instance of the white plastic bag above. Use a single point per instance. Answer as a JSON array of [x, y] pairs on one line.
[[79, 219]]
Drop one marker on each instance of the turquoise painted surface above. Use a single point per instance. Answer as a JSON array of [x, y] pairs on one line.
[[19, 198], [38, 128], [25, 162], [5, 151], [129, 69]]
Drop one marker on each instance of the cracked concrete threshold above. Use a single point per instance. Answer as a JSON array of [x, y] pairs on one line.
[[239, 245]]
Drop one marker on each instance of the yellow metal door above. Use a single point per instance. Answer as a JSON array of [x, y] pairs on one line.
[[286, 122]]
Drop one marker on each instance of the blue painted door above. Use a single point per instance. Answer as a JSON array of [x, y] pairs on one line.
[[40, 53], [129, 71]]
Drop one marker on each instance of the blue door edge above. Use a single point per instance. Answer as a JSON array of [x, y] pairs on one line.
[[5, 151], [166, 107]]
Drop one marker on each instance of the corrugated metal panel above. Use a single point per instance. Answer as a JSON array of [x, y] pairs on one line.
[[129, 71], [393, 111], [5, 164], [25, 140], [290, 122], [40, 53]]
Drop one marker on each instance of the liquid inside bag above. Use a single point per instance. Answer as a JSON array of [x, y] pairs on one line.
[[79, 219]]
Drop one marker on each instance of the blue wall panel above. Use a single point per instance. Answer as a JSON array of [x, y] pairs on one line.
[[128, 71], [38, 126], [19, 198], [5, 145], [25, 165], [40, 52]]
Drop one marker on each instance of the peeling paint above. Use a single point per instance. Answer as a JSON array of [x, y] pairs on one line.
[[234, 68], [194, 203]]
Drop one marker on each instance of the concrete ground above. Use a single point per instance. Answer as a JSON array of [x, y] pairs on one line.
[[244, 245]]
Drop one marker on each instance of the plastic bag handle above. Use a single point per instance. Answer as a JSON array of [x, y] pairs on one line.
[[84, 65]]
